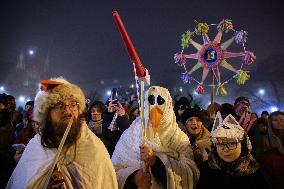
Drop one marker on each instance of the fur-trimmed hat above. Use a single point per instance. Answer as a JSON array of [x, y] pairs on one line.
[[53, 91]]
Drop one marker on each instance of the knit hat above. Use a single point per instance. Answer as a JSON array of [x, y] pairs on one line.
[[53, 91], [182, 103], [192, 113], [3, 99], [241, 98]]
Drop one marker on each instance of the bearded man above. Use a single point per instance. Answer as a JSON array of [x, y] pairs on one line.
[[83, 161]]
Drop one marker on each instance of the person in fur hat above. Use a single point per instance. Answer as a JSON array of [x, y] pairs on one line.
[[83, 161], [230, 163], [165, 150]]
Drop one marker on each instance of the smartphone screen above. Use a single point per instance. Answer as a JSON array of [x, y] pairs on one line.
[[113, 94]]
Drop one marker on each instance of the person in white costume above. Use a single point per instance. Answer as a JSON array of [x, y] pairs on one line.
[[165, 152], [83, 162]]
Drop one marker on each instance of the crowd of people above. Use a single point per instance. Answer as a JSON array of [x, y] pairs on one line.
[[105, 146]]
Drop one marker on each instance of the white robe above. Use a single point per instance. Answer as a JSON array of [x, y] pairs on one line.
[[182, 172], [91, 168]]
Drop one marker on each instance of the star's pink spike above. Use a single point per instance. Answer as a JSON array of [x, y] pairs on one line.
[[192, 56], [204, 73], [218, 37], [233, 55], [206, 39]]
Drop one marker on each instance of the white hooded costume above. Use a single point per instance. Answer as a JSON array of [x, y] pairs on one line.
[[169, 143], [86, 164]]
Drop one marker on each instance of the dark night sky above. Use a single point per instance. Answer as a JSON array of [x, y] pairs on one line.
[[85, 47]]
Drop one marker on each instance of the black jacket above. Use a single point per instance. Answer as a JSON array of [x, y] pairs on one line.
[[212, 178], [110, 138]]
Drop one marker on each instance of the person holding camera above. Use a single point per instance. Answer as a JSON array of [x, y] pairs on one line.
[[115, 121]]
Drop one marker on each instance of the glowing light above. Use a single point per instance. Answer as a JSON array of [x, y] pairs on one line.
[[22, 99], [31, 52], [273, 108], [261, 91]]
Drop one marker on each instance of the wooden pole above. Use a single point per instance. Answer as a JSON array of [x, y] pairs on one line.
[[212, 87]]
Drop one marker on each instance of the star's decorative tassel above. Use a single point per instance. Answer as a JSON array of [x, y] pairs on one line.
[[242, 77], [249, 57], [186, 77], [221, 91], [185, 39], [201, 28], [180, 59], [241, 37], [200, 89], [225, 26]]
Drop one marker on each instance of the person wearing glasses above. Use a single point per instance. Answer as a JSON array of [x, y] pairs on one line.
[[230, 163], [83, 161]]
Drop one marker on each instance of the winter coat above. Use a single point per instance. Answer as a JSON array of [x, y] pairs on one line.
[[110, 138], [244, 173]]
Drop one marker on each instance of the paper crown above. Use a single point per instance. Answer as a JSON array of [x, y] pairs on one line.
[[228, 128]]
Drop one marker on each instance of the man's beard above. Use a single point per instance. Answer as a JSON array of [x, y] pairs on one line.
[[54, 132]]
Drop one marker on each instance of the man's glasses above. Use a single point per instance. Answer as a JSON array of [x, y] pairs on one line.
[[61, 106], [244, 103], [229, 146]]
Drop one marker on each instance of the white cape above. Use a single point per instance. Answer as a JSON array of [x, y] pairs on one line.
[[182, 172], [91, 168]]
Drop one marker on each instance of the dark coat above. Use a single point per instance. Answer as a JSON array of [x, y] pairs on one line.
[[110, 138], [213, 178]]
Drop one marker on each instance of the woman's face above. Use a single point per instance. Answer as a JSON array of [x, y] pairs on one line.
[[193, 125], [181, 111], [96, 114], [136, 112], [262, 128], [277, 121], [228, 151], [253, 116]]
